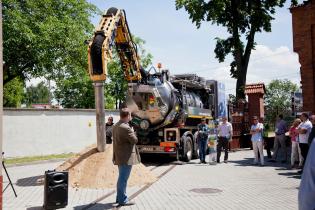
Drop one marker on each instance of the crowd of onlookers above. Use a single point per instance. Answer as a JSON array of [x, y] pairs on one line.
[[213, 138], [302, 138], [301, 134]]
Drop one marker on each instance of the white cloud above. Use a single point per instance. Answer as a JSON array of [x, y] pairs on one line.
[[265, 65]]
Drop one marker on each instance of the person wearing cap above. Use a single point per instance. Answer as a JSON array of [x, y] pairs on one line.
[[125, 154], [257, 140], [202, 139], [225, 133]]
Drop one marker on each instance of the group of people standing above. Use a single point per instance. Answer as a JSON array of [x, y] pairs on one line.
[[302, 134], [223, 133]]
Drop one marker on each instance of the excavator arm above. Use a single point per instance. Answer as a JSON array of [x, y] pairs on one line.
[[113, 30]]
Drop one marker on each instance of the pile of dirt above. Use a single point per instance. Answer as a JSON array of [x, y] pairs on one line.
[[92, 169]]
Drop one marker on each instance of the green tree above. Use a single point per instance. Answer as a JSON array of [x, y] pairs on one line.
[[76, 90], [116, 88], [45, 38], [38, 94], [242, 19], [13, 93], [278, 98]]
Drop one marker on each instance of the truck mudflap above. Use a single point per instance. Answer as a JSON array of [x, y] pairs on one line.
[[157, 149]]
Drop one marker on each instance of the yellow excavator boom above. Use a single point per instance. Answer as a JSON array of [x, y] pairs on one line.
[[113, 30]]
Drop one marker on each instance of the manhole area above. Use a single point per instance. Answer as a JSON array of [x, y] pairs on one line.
[[206, 190]]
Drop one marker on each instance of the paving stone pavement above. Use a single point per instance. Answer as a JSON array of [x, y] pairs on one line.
[[235, 185]]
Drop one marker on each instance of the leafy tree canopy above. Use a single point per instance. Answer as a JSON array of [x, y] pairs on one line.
[[13, 93], [76, 90], [45, 38], [39, 94], [242, 19], [278, 98]]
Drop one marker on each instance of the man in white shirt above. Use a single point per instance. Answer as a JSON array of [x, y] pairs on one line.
[[304, 130], [225, 133]]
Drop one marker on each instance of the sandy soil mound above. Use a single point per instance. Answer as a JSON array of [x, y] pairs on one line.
[[92, 169]]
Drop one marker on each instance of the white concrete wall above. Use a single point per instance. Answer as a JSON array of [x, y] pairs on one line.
[[29, 132]]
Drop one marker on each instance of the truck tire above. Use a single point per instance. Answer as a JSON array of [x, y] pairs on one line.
[[196, 147], [188, 150]]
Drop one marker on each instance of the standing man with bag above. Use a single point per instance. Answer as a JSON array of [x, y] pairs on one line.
[[125, 154], [225, 133], [257, 140]]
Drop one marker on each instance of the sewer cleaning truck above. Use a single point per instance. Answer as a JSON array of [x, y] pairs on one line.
[[166, 109]]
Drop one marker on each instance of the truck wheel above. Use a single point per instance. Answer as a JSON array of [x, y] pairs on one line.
[[196, 147], [196, 152], [188, 151]]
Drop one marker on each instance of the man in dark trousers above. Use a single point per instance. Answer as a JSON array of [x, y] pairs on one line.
[[125, 154], [304, 130], [109, 129], [202, 139], [225, 133]]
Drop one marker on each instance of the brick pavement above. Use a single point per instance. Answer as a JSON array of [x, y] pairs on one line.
[[236, 185]]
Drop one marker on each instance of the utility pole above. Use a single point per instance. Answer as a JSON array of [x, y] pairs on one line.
[[1, 103], [100, 115]]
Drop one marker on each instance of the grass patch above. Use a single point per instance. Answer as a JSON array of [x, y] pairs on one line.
[[30, 159]]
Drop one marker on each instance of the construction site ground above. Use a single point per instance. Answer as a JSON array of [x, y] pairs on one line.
[[237, 184]]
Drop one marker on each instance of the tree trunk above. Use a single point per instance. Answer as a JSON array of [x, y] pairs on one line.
[[241, 79]]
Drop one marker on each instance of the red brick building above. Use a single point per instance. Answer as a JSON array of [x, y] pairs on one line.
[[303, 23], [255, 93]]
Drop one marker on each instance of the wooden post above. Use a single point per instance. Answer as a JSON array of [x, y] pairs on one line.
[[100, 115]]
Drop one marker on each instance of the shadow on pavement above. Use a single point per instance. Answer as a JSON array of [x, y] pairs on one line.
[[30, 181], [277, 165], [95, 206], [294, 175]]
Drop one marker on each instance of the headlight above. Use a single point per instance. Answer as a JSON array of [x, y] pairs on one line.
[[144, 124]]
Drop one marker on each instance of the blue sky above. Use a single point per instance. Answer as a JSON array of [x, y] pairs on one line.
[[182, 48]]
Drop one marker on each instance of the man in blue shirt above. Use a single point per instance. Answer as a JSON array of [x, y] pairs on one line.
[[257, 140], [202, 139]]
